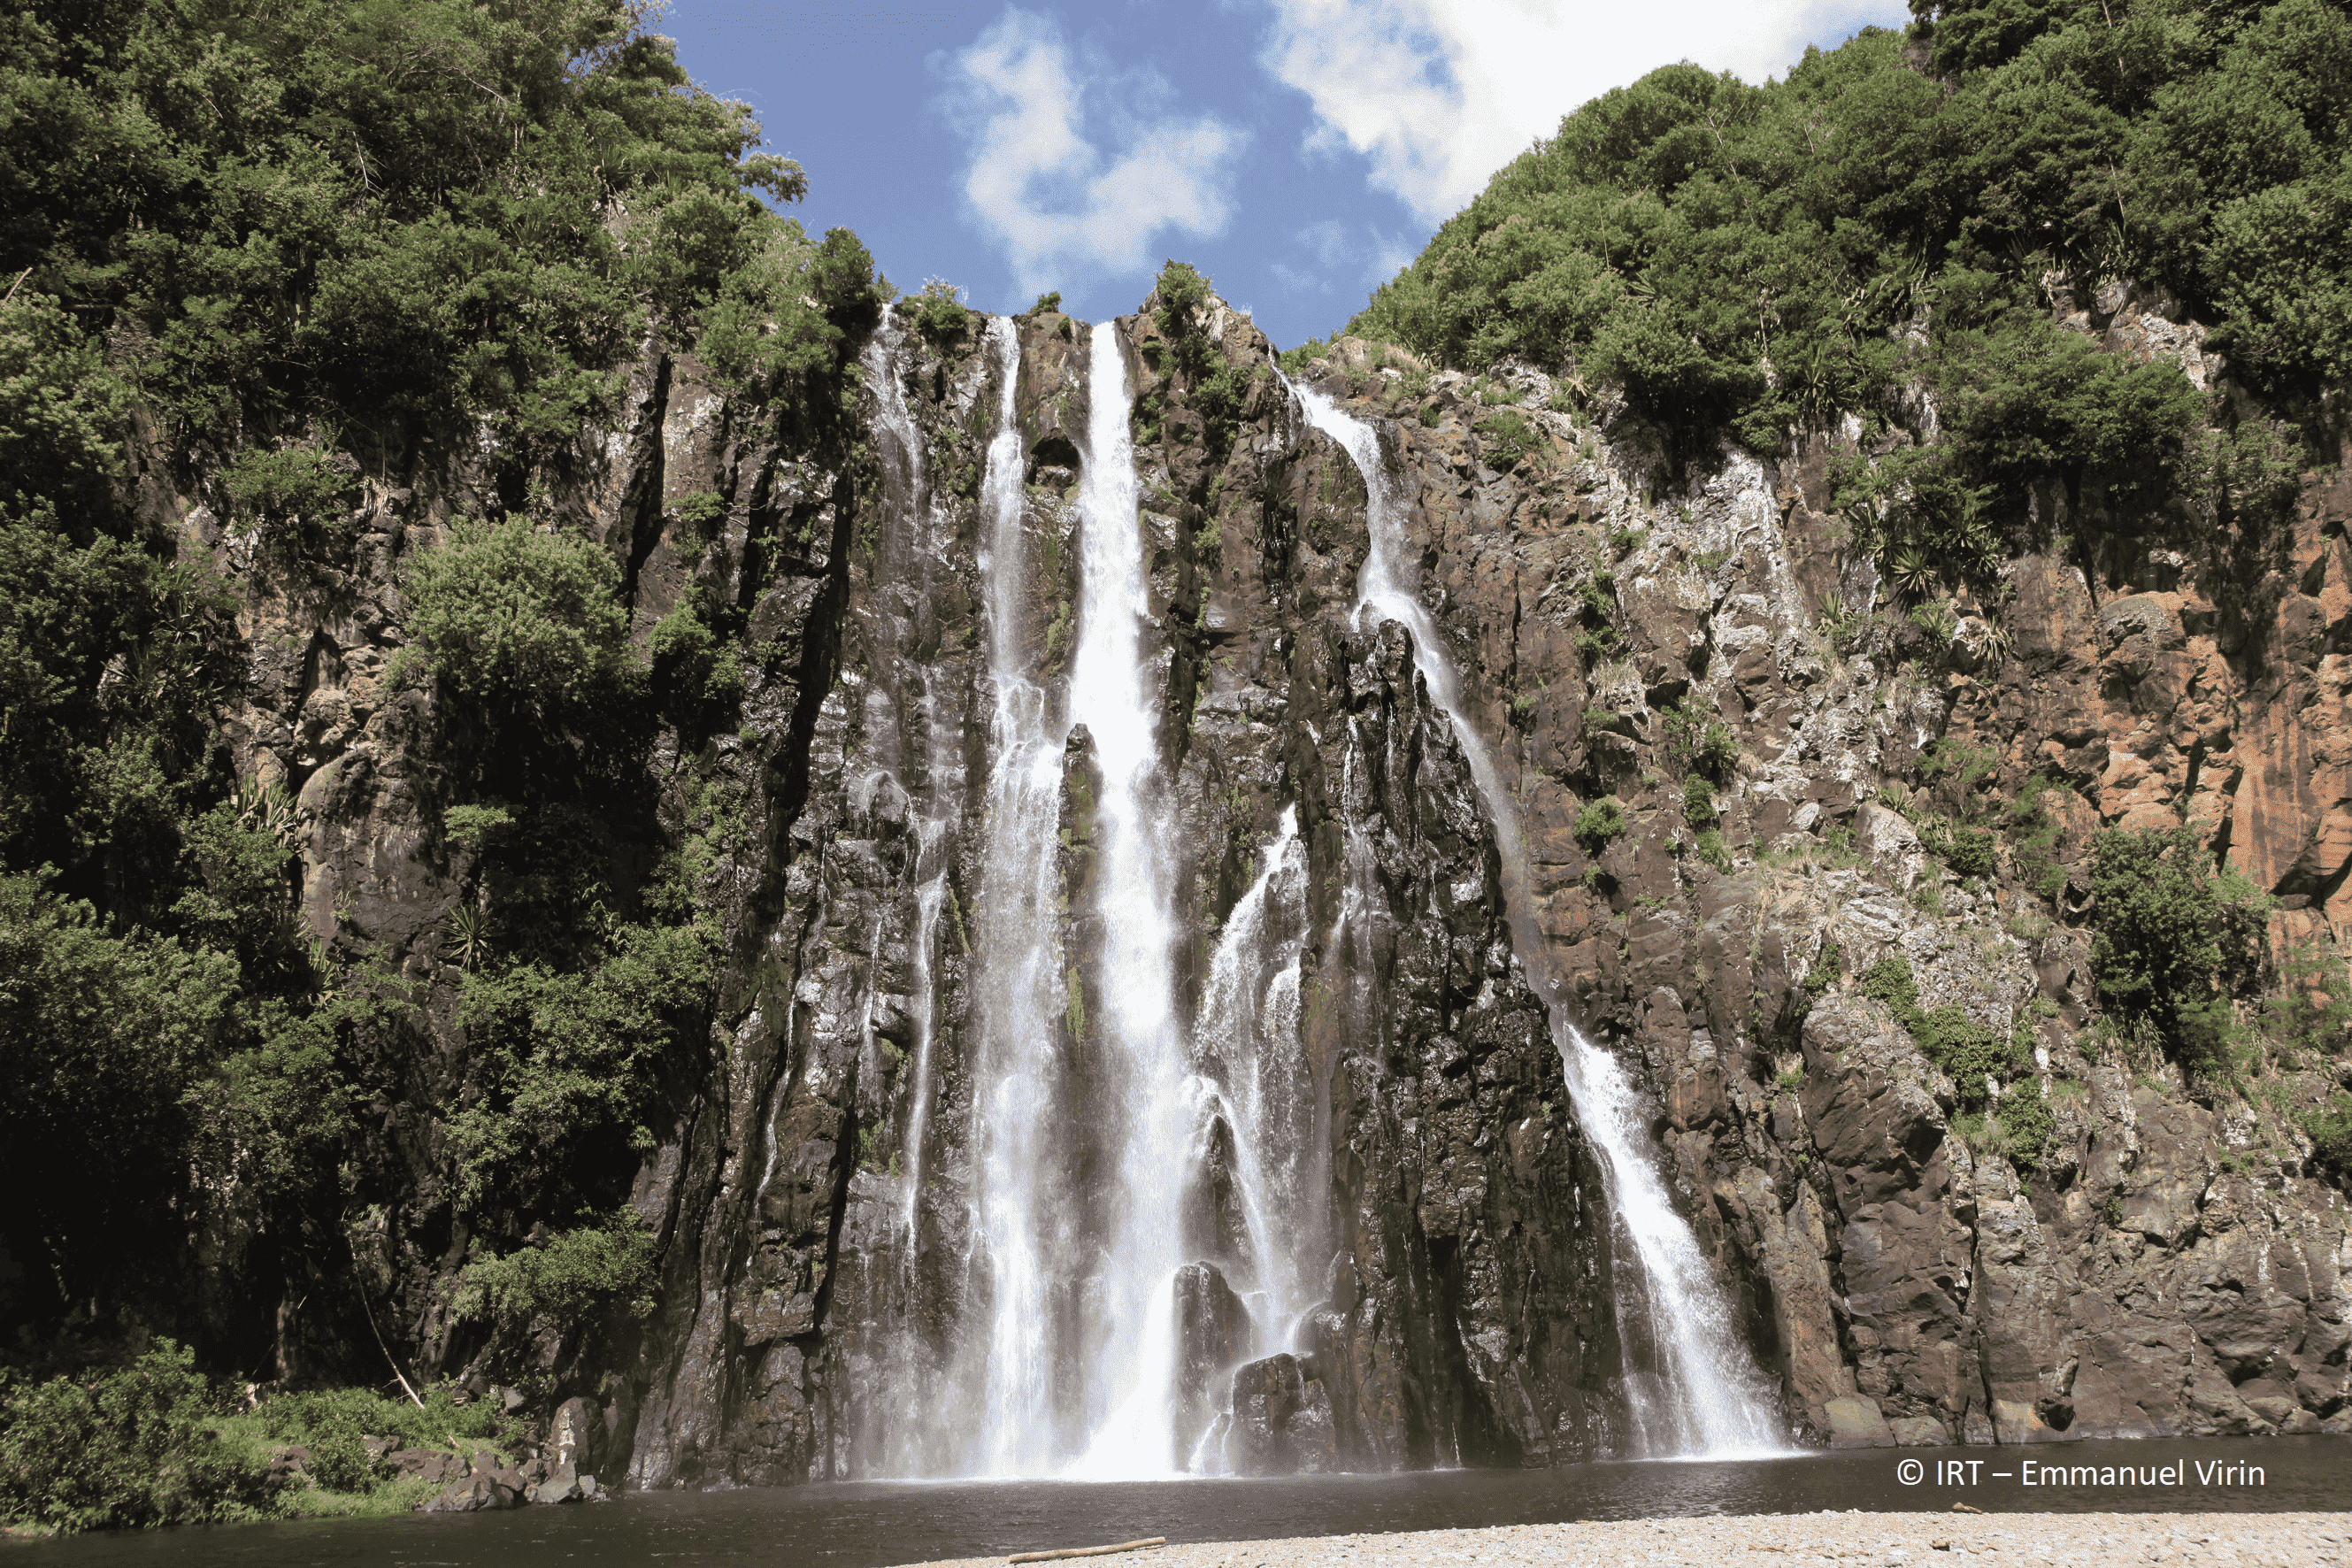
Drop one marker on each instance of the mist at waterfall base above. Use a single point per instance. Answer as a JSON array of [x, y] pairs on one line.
[[873, 1524]]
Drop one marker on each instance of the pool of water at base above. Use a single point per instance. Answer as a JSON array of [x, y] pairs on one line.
[[872, 1524]]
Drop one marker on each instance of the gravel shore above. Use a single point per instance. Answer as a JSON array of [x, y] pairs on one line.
[[1757, 1540]]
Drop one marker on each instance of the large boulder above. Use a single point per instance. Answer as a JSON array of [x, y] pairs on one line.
[[1213, 1332], [435, 1464], [1281, 1422], [565, 1484], [490, 1485], [575, 1435]]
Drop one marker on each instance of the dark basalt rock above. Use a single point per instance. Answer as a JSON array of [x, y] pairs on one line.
[[1282, 1422], [1213, 1333], [1213, 1223], [1900, 1281]]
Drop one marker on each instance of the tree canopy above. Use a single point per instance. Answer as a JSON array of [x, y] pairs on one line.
[[1753, 260], [257, 257]]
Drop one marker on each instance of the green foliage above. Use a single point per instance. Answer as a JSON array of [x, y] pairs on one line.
[[290, 490], [1936, 622], [1046, 302], [1698, 801], [1746, 261], [2312, 1012], [112, 666], [442, 208], [1972, 852], [1295, 361], [1828, 964], [529, 622], [1969, 1052], [1182, 296], [1912, 573], [2033, 831], [698, 678], [785, 316], [1717, 751], [1889, 980], [1213, 387], [474, 828], [62, 412], [1511, 436], [145, 1444], [2023, 1126], [564, 1278], [93, 1018], [563, 1067], [1958, 771], [1597, 822], [1596, 596], [939, 310], [2330, 1132], [331, 1424], [313, 244], [126, 1449], [2174, 940], [1711, 849]]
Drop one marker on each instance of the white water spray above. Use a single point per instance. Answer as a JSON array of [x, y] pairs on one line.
[[1016, 980], [1257, 1079], [1130, 1396], [1706, 1395]]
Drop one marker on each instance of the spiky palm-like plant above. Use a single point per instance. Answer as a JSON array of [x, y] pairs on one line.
[[469, 936], [1913, 573]]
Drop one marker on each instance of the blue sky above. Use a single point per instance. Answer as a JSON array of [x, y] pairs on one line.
[[1298, 152]]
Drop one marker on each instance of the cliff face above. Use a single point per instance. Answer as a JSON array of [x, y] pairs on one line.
[[2170, 1267]]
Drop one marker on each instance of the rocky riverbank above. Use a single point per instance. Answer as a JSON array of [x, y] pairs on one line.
[[1898, 1540]]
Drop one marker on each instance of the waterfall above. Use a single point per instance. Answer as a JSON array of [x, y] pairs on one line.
[[1078, 1367], [1253, 1076], [1130, 1405], [925, 766], [1016, 992], [1706, 1395]]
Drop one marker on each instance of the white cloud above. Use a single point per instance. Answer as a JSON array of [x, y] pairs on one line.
[[1328, 240], [1438, 94], [1075, 166], [1360, 256]]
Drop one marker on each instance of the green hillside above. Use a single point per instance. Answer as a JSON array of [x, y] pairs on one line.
[[1744, 261]]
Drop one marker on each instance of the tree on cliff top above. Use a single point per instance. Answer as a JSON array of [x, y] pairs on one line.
[[340, 206], [1749, 260]]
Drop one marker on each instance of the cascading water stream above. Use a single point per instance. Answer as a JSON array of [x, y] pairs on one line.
[[1705, 1397], [1130, 1413], [1017, 988], [929, 777], [1255, 1077], [1082, 1338], [908, 484]]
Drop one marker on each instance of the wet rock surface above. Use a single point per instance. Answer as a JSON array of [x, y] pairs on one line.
[[2176, 1265]]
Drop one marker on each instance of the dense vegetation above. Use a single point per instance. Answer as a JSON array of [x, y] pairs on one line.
[[156, 1442], [268, 258], [1905, 214]]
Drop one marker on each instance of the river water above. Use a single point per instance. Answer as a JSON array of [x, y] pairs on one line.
[[871, 1525]]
